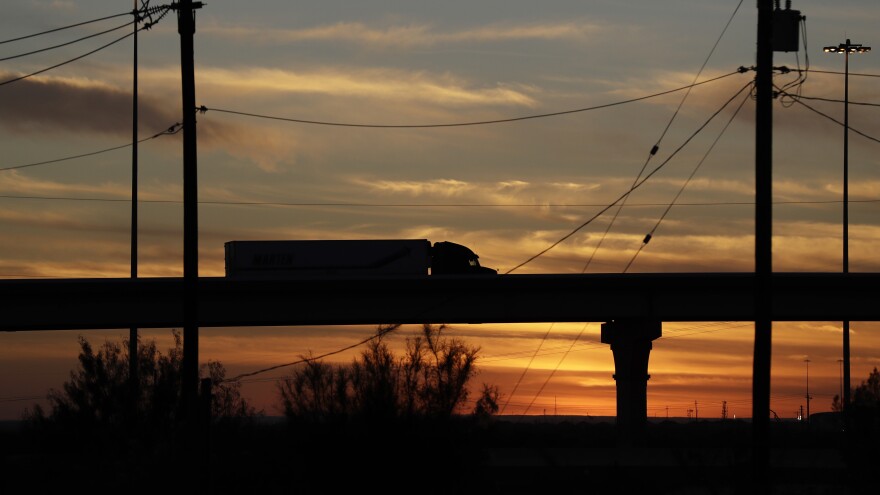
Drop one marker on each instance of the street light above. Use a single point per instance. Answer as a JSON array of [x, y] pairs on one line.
[[846, 49]]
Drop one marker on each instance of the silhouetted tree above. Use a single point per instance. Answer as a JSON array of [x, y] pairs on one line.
[[487, 404], [317, 392], [867, 394], [374, 383], [430, 381], [866, 403], [226, 400], [97, 396]]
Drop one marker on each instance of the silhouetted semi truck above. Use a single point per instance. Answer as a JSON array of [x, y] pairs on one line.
[[315, 258]]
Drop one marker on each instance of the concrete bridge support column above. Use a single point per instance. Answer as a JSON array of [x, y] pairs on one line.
[[630, 341]]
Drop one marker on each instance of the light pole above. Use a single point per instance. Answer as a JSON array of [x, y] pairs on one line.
[[808, 389], [846, 49]]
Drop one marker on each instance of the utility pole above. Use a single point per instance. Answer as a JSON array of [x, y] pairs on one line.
[[763, 245], [133, 331], [186, 27]]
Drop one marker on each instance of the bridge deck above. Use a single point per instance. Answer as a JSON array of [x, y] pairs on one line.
[[157, 302]]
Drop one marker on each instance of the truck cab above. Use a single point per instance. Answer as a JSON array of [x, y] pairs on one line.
[[449, 258]]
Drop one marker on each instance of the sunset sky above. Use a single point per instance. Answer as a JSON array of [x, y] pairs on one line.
[[505, 190]]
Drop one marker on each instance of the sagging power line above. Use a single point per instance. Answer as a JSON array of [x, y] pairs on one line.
[[55, 30], [173, 129], [687, 181], [656, 147], [823, 114], [485, 122], [634, 187], [68, 43], [205, 109]]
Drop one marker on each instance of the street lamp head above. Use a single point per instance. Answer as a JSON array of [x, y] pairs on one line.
[[847, 48]]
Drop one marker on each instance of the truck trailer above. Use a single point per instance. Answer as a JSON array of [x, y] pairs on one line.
[[320, 258]]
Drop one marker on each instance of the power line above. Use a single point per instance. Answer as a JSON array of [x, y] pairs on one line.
[[514, 119], [555, 369], [422, 205], [584, 346], [529, 365], [862, 74], [67, 61], [494, 358], [653, 230], [548, 351], [205, 109], [594, 346], [798, 100], [656, 146], [636, 186], [699, 72], [145, 27], [64, 27], [174, 129], [340, 124], [742, 325], [574, 341], [41, 50], [832, 100], [383, 330], [651, 154]]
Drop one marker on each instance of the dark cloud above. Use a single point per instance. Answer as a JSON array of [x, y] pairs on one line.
[[39, 105], [43, 105]]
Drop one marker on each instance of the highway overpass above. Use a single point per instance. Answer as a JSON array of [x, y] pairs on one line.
[[157, 302]]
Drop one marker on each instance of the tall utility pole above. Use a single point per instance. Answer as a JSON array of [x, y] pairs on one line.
[[763, 244], [133, 331], [186, 26]]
